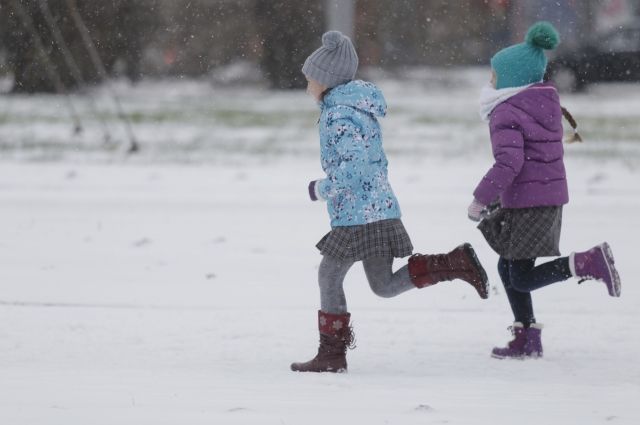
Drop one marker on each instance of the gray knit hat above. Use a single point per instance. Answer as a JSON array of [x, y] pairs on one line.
[[335, 63]]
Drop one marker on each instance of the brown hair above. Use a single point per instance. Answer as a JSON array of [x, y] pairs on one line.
[[574, 125]]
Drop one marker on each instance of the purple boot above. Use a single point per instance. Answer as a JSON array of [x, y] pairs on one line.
[[598, 264], [527, 343], [533, 347]]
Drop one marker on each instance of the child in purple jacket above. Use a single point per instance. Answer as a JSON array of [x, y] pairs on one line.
[[528, 184]]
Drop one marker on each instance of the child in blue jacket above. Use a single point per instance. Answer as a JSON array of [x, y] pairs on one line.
[[364, 212]]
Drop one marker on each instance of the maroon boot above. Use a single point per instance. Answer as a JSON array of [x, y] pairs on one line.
[[461, 263], [335, 338]]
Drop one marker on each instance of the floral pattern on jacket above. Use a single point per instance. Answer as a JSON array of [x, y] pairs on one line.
[[356, 188]]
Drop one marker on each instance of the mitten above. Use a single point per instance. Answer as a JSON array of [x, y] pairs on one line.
[[313, 190], [476, 210]]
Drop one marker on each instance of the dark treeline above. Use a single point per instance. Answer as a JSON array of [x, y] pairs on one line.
[[119, 30], [135, 38]]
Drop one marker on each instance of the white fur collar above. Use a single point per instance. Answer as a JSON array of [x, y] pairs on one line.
[[490, 98]]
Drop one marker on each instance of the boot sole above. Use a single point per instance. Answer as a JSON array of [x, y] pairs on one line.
[[506, 357], [484, 291], [521, 358], [341, 370], [300, 367], [616, 285], [496, 356]]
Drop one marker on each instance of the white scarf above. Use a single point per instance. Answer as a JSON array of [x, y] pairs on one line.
[[490, 98]]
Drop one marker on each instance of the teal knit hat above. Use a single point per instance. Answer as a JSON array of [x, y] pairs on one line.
[[525, 63]]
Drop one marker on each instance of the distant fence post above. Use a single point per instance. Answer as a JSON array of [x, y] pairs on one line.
[[340, 15]]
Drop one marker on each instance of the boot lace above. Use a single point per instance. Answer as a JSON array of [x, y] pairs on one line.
[[512, 330], [350, 339], [338, 343], [442, 264]]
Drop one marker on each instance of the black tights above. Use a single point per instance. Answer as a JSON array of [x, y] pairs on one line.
[[520, 277]]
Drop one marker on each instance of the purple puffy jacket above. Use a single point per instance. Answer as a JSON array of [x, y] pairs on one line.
[[526, 137]]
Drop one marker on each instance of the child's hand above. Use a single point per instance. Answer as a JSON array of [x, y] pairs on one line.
[[313, 194], [476, 211]]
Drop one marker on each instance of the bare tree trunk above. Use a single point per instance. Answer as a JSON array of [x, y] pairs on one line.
[[289, 32], [49, 67], [119, 28], [100, 68]]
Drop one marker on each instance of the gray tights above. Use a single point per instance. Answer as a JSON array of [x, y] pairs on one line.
[[382, 280]]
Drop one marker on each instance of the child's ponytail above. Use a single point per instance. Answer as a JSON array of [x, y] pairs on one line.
[[574, 125]]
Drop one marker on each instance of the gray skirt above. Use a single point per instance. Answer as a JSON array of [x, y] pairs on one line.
[[522, 233], [385, 238]]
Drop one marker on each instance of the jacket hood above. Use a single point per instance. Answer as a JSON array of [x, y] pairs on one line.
[[541, 102], [357, 94]]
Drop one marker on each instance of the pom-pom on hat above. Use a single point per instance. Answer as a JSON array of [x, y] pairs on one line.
[[335, 63], [525, 63]]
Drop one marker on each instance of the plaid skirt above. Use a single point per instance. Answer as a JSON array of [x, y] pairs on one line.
[[522, 233], [385, 238]]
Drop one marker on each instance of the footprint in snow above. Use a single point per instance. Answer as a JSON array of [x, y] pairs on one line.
[[142, 242], [238, 409], [597, 178]]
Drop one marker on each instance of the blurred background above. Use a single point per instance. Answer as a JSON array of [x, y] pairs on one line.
[[183, 76]]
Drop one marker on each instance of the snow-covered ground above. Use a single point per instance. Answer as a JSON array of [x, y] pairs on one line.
[[175, 287]]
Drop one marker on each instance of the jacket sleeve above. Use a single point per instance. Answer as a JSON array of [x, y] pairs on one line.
[[508, 151], [351, 161]]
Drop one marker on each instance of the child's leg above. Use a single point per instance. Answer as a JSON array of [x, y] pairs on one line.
[[331, 278], [383, 281], [336, 334], [526, 278], [520, 302]]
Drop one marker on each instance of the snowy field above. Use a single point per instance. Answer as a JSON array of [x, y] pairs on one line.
[[176, 286]]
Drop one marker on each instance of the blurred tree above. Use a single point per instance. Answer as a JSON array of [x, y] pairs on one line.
[[288, 31], [119, 29], [193, 37], [204, 34], [432, 32]]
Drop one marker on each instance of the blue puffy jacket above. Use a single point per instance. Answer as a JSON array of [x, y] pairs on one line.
[[356, 189]]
